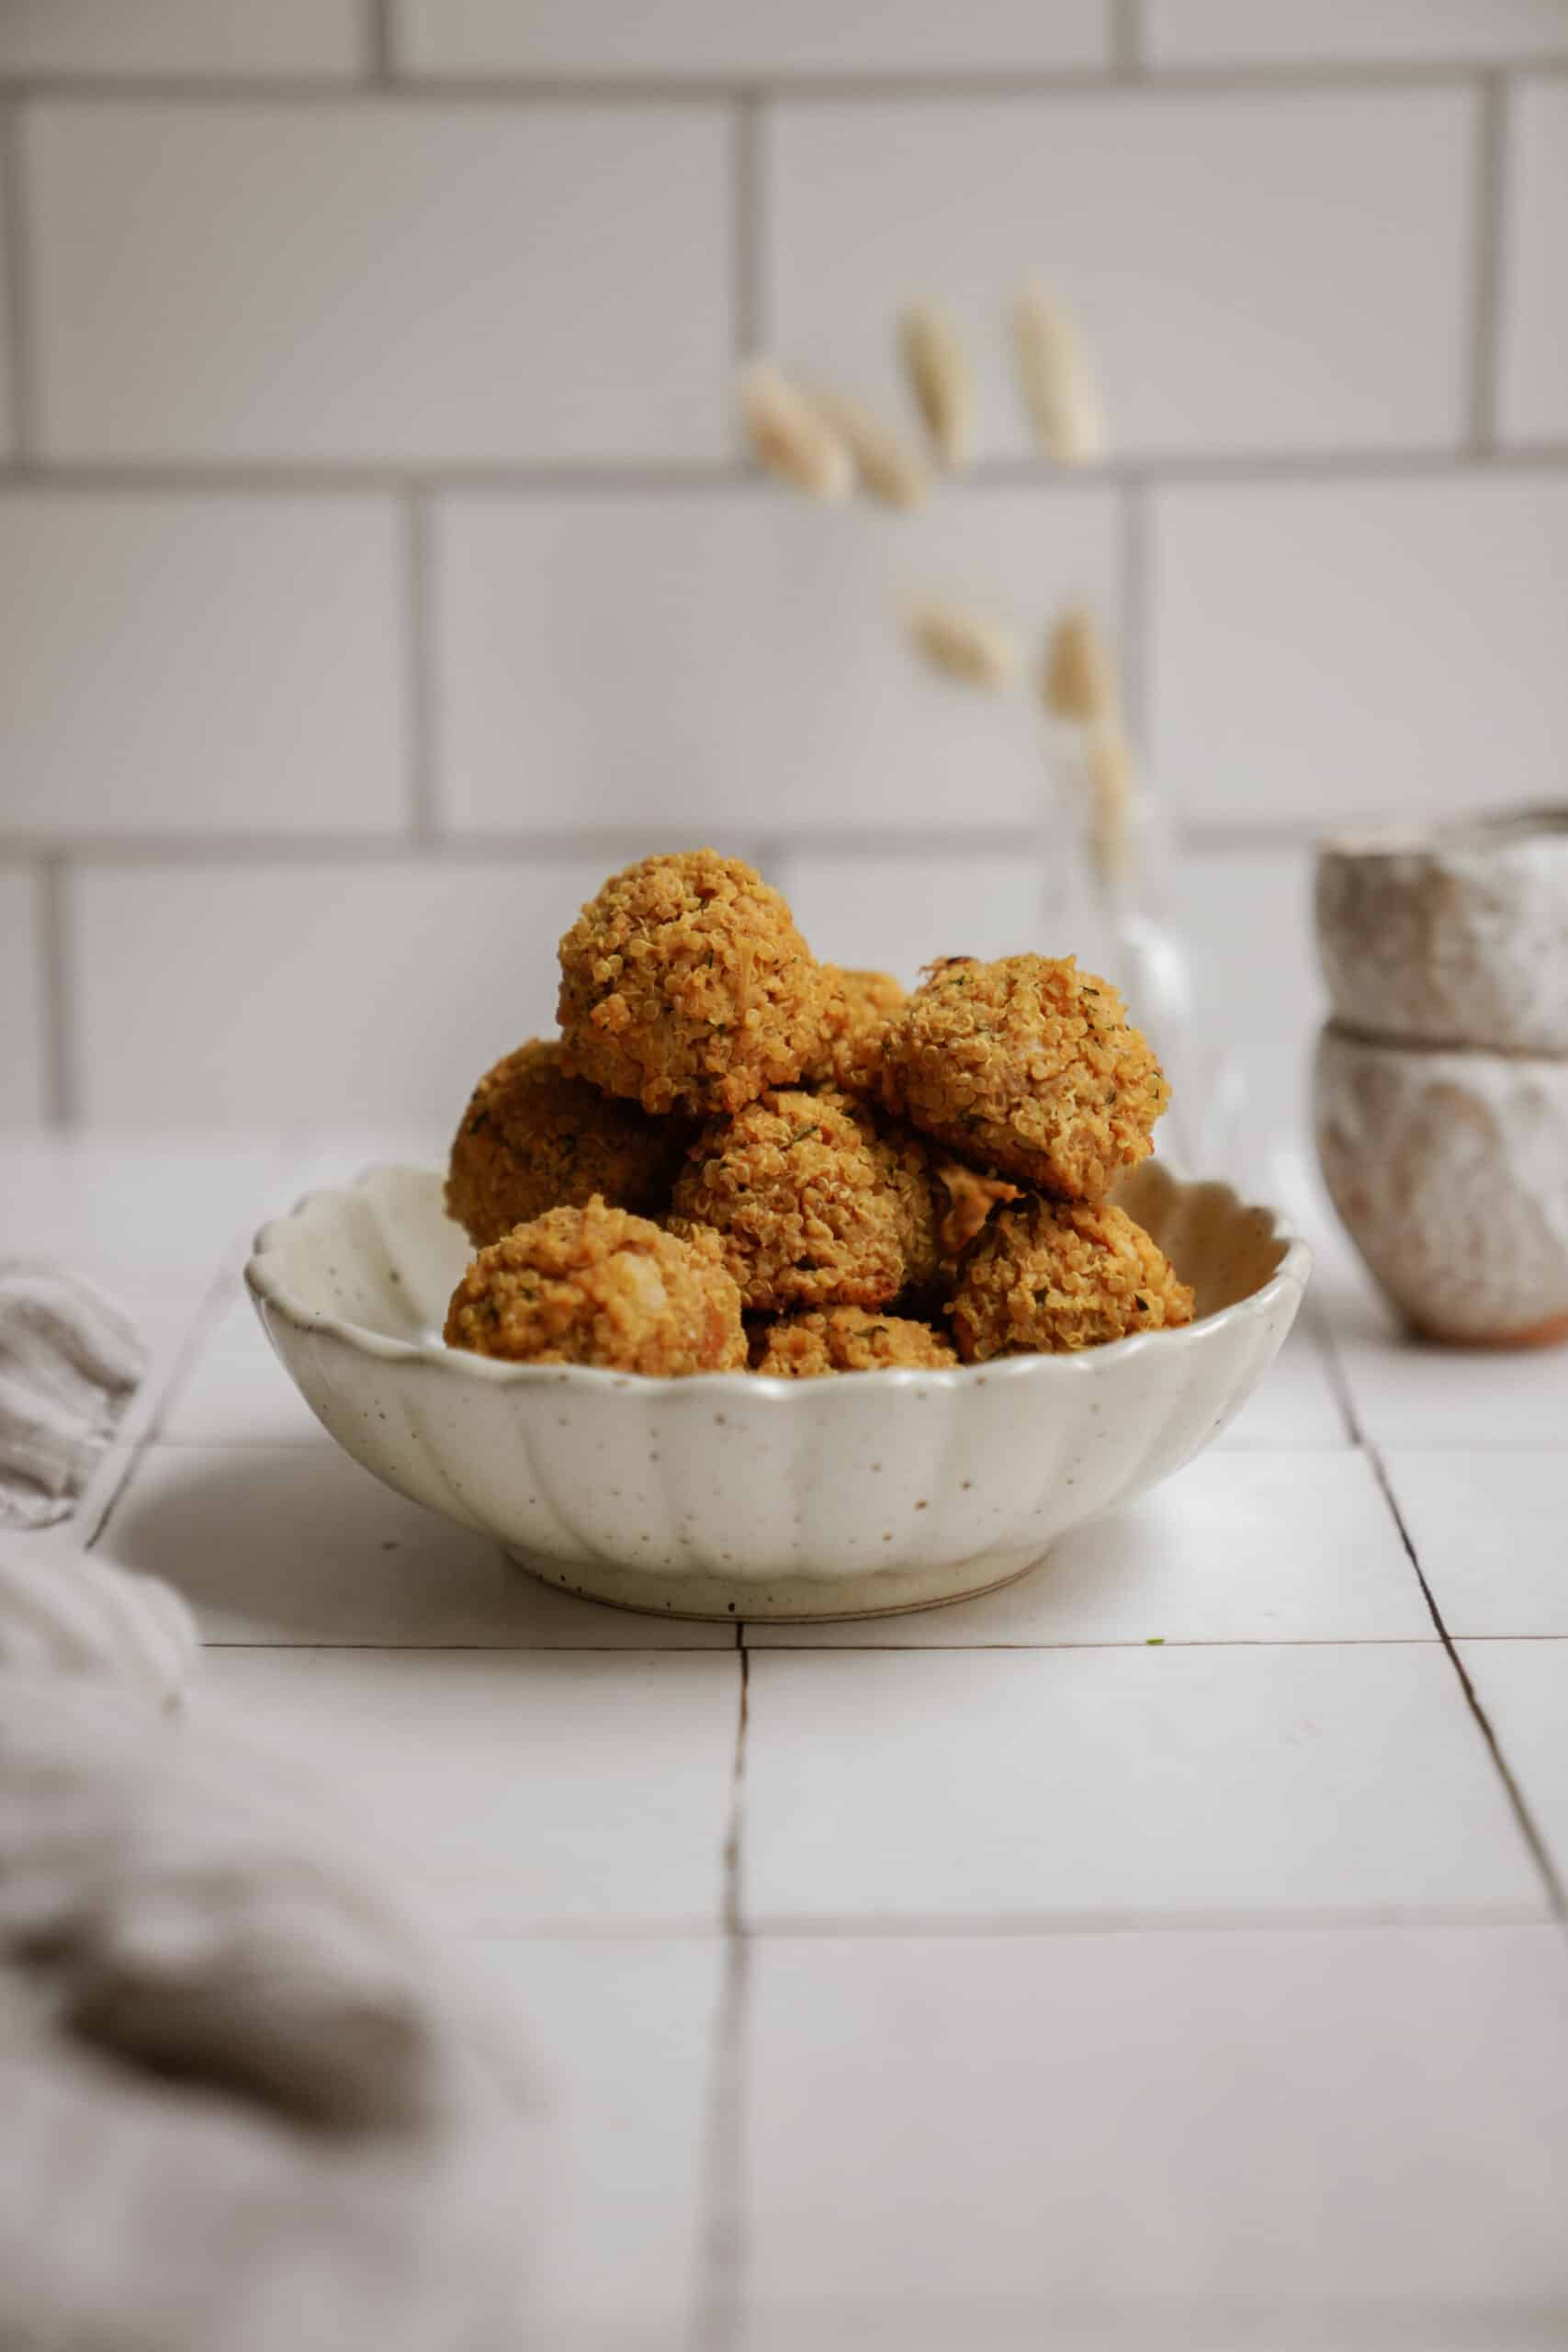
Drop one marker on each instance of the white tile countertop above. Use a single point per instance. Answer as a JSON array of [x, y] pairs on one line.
[[1168, 1950]]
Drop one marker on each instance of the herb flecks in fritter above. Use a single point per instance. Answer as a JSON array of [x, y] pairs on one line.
[[533, 1139], [1048, 1277], [1029, 1068], [596, 1285], [847, 1339], [818, 1201], [686, 985]]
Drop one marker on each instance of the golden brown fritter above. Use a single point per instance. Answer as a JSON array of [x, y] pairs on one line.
[[965, 1201], [818, 1201], [855, 1017], [1028, 1066], [685, 984], [847, 1339], [598, 1285], [1047, 1276], [533, 1139]]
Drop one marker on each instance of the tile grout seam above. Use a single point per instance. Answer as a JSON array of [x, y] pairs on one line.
[[420, 680], [1489, 202], [1126, 42], [747, 228], [519, 478], [377, 45], [1197, 838], [820, 1649], [722, 2258], [16, 309], [379, 81], [1535, 1843], [1047, 1926], [57, 1038], [207, 1313], [1133, 564]]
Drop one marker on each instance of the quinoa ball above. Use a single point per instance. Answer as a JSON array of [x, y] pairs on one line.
[[847, 1339], [597, 1286], [856, 1014], [1049, 1276], [965, 1200], [1030, 1068], [685, 984], [533, 1139], [817, 1202]]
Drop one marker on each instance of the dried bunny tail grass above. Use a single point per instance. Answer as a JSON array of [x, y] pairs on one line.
[[942, 379], [1109, 759], [889, 469], [967, 646], [1055, 378], [1080, 673], [790, 436]]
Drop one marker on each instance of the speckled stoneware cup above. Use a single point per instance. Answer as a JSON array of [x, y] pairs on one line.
[[1458, 937], [1441, 1095], [731, 1496], [1450, 1172]]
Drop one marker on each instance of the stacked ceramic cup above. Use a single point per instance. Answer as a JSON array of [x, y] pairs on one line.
[[1442, 1077]]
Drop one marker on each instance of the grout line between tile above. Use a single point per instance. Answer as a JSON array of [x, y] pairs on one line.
[[1221, 837], [208, 1311], [1133, 558], [1486, 262], [1126, 29], [526, 478], [16, 294], [57, 1011], [1325, 77], [1317, 1324], [746, 226], [420, 671], [892, 1925], [377, 42], [446, 1650], [1522, 1816], [723, 2260], [1132, 1642]]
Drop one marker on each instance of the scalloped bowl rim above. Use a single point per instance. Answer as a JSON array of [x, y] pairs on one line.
[[265, 1284]]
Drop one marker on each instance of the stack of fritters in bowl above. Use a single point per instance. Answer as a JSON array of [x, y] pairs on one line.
[[734, 1154]]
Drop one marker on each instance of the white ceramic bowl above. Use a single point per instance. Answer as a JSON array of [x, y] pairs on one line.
[[730, 1496]]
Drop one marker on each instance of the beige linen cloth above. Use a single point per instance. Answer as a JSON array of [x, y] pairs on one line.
[[246, 2105], [70, 1363]]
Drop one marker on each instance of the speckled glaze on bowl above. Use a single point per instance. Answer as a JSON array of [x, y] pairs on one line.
[[731, 1496]]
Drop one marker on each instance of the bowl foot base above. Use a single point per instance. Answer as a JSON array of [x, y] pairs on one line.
[[1552, 1333], [789, 1597]]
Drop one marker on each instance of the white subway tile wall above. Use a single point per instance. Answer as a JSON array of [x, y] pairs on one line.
[[381, 282], [1240, 296], [199, 664], [896, 911], [1534, 394], [1331, 653], [8, 293], [709, 41], [342, 995], [706, 657], [182, 37], [1248, 32], [379, 563]]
